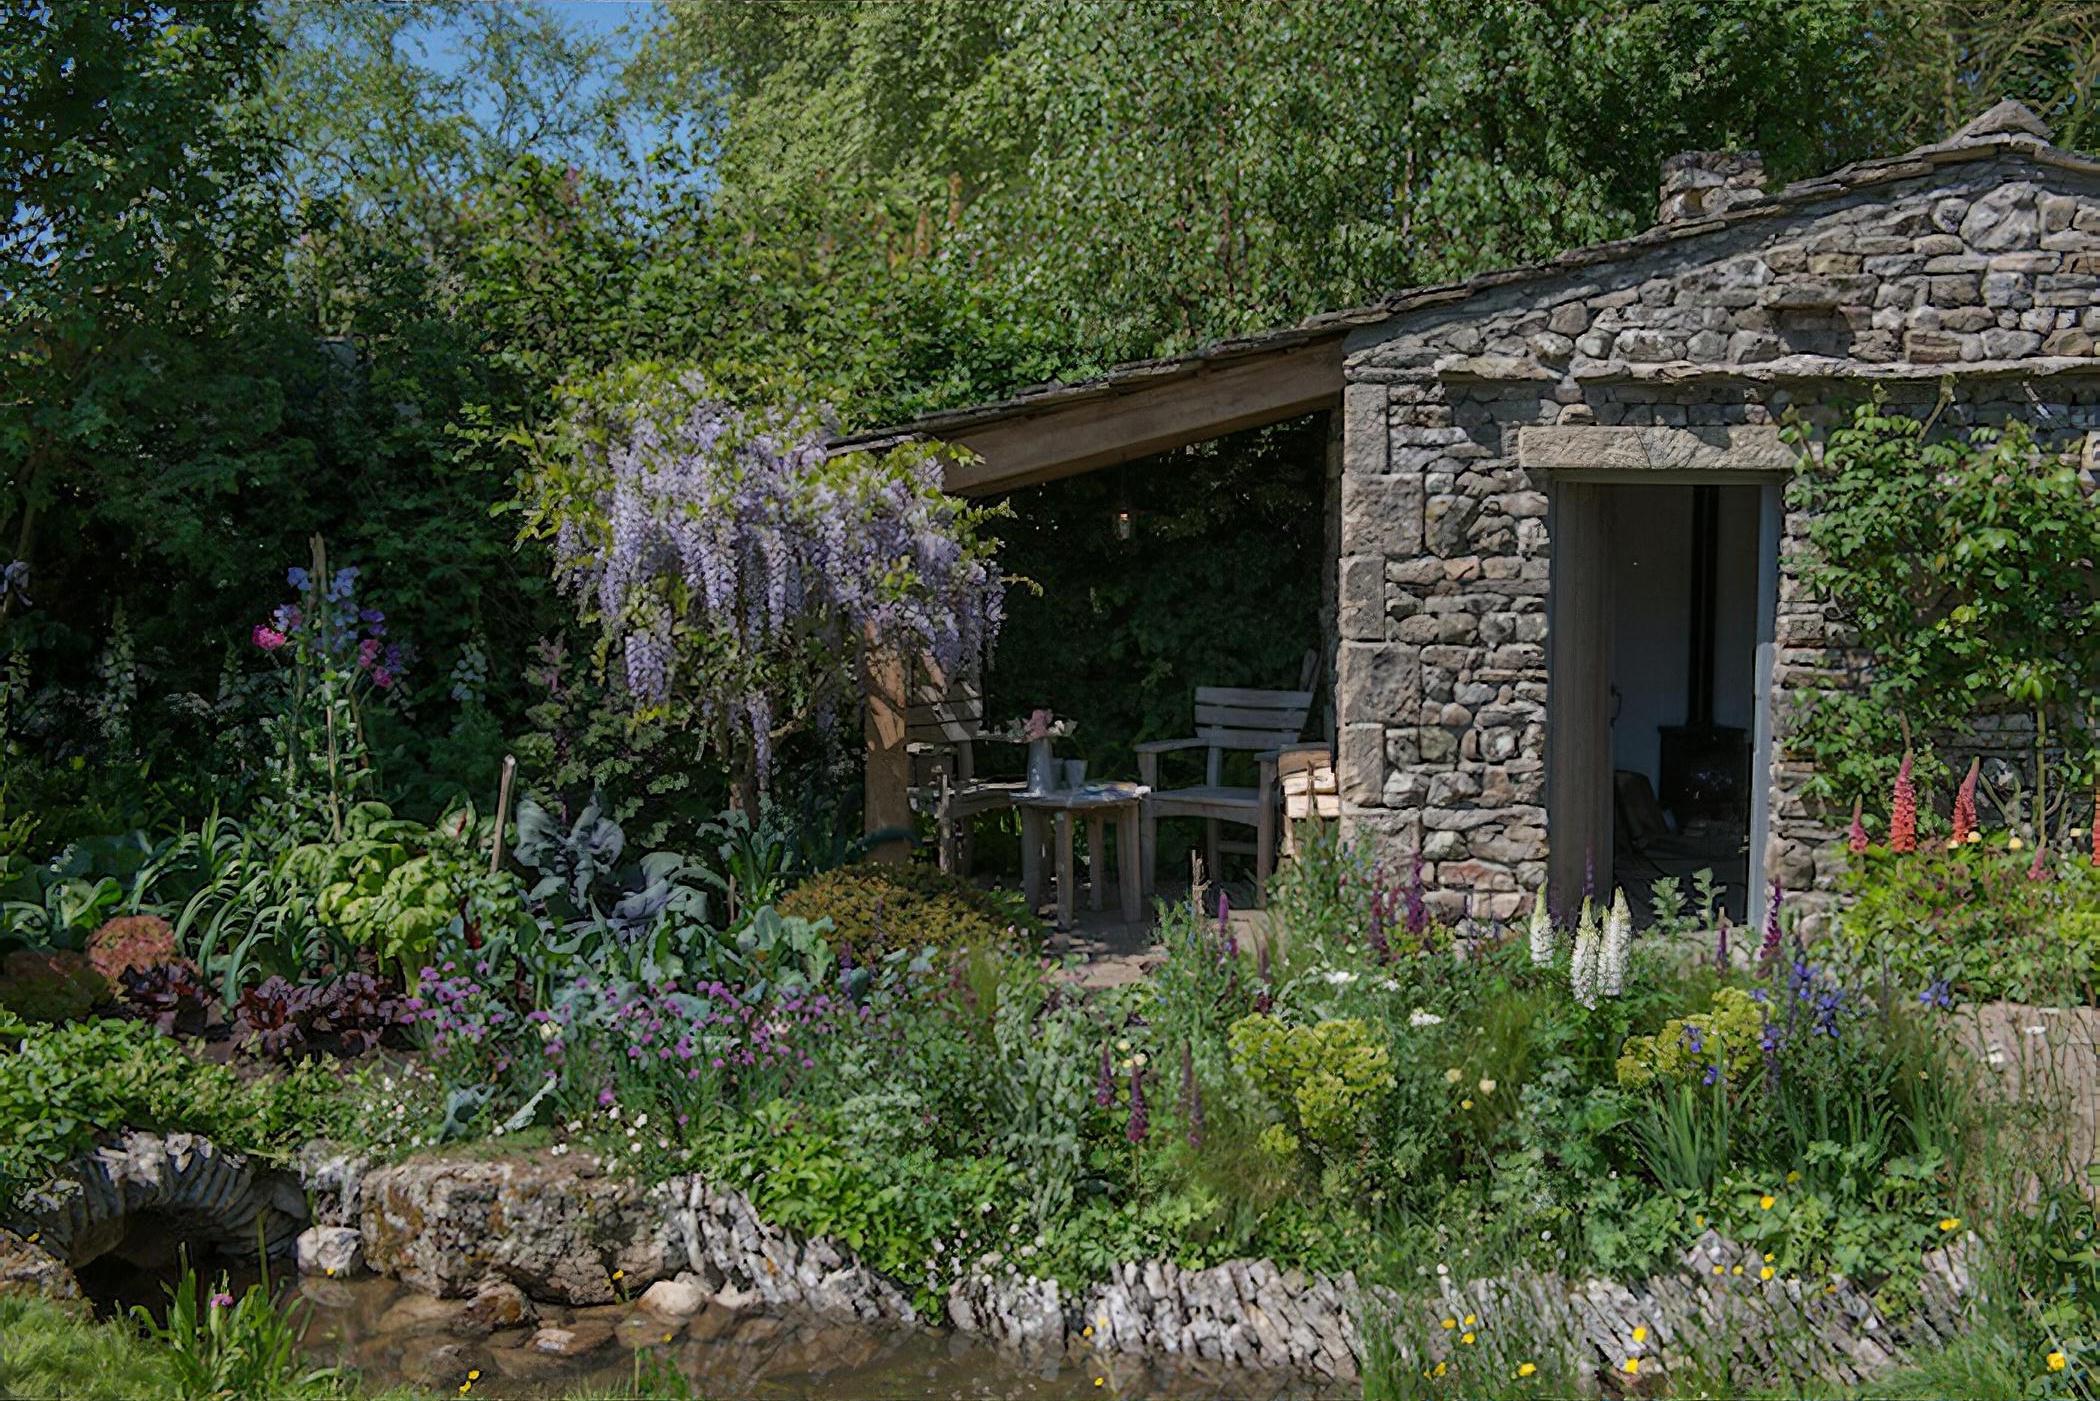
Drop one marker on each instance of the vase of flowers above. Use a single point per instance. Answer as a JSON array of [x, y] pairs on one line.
[[1038, 732]]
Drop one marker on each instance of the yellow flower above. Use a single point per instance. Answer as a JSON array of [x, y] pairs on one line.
[[1100, 1381], [1719, 1271], [2057, 1361], [1764, 1203], [1768, 1257], [619, 1274], [1449, 1324], [1948, 1223], [474, 1375], [1087, 1332], [1633, 1364], [1698, 1220], [1466, 1338], [1471, 1320], [1525, 1369], [1465, 1104], [1766, 1273], [1438, 1371], [1793, 1177], [1640, 1334], [1737, 1270]]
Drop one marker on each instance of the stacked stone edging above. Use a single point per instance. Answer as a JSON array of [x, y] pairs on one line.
[[452, 1227], [561, 1233], [190, 1189]]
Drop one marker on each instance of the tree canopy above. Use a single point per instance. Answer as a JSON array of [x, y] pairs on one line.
[[280, 268]]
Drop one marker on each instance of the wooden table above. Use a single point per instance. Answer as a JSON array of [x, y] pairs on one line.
[[1045, 813]]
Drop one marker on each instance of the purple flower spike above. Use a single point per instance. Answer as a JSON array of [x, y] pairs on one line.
[[1768, 953], [1417, 907], [1140, 1121], [1105, 1083]]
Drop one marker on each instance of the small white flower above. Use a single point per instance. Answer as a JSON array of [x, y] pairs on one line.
[[1443, 1269], [612, 1111], [1418, 1017], [1389, 986], [1487, 1087], [1340, 976], [641, 1121]]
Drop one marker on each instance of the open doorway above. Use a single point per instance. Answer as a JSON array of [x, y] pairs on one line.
[[1661, 621]]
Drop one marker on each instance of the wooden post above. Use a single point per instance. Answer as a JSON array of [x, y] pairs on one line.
[[1578, 728], [509, 771], [886, 792]]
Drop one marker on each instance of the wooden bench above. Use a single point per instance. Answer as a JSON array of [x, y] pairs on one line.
[[1264, 723], [942, 728]]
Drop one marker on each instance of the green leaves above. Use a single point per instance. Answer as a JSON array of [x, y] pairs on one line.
[[1966, 569]]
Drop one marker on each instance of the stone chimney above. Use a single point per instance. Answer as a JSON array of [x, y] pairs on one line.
[[1701, 184]]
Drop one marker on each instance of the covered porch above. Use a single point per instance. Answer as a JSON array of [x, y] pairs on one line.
[[1133, 495]]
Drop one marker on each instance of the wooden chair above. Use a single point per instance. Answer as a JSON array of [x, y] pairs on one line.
[[942, 728], [1265, 723]]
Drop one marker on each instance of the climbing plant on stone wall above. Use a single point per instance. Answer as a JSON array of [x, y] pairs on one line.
[[1963, 570]]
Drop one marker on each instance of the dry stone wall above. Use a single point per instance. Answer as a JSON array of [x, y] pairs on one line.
[[1976, 265]]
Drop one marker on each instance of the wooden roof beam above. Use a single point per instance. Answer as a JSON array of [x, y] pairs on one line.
[[1100, 430]]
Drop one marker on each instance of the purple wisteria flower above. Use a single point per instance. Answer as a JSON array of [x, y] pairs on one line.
[[728, 555]]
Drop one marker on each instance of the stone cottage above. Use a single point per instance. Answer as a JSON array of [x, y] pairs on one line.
[[1564, 599]]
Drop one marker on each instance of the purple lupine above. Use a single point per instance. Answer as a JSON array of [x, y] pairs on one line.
[[1139, 1120], [1191, 1097], [1417, 919], [1768, 952], [1379, 948], [1105, 1082]]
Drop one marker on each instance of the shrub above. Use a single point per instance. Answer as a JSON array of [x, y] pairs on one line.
[[131, 941], [49, 985], [1973, 920], [1704, 1046], [65, 1088], [1327, 1079], [875, 909]]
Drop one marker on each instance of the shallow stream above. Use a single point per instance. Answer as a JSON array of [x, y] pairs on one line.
[[395, 1336]]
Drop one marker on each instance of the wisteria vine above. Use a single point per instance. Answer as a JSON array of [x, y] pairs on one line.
[[734, 567]]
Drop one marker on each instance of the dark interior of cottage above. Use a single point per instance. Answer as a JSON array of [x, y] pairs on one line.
[[1684, 617]]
